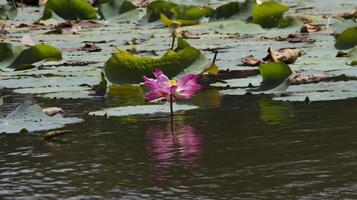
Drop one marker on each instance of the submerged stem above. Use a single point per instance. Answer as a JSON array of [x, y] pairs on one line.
[[172, 113]]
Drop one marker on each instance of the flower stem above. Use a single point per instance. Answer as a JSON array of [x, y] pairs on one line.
[[215, 56], [173, 42], [172, 113]]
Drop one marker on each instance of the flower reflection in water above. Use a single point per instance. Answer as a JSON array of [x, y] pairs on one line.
[[167, 150]]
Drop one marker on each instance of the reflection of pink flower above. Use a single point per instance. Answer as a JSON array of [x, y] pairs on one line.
[[166, 149], [162, 87]]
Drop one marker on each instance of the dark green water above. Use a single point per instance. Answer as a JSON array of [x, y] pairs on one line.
[[231, 148]]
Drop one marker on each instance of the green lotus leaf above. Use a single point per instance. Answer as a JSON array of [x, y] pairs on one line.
[[8, 53], [227, 10], [124, 67], [269, 14], [340, 26], [69, 10], [155, 8], [352, 60], [241, 9], [347, 39], [21, 57], [274, 74], [8, 12], [168, 22], [183, 12], [113, 9]]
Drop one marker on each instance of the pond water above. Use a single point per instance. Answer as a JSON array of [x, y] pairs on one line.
[[245, 147], [232, 146]]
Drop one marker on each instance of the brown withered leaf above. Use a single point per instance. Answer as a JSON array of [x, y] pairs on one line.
[[297, 38], [311, 28], [90, 48], [141, 3], [286, 55], [307, 77], [189, 35], [276, 38], [52, 111], [87, 48], [53, 134], [305, 19], [342, 54], [251, 61], [292, 38], [348, 15], [4, 34]]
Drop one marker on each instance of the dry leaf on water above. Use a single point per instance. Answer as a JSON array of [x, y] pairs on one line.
[[311, 28], [285, 55], [251, 61], [52, 111], [307, 77], [348, 15]]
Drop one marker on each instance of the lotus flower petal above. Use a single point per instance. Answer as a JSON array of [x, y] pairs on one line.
[[163, 88], [187, 86]]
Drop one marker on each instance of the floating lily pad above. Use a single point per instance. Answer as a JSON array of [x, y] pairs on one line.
[[32, 118], [8, 53], [352, 59], [183, 12], [8, 12], [168, 22], [69, 10], [158, 7], [142, 110], [118, 10], [35, 54], [241, 82], [62, 82], [124, 67], [323, 91], [21, 57], [241, 9], [230, 27], [339, 27]]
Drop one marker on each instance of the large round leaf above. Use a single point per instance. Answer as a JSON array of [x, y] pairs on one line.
[[113, 9], [274, 74], [35, 54], [21, 57], [69, 9], [124, 67], [8, 12], [155, 8], [268, 14], [347, 39]]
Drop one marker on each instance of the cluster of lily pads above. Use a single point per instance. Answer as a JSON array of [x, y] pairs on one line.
[[230, 21]]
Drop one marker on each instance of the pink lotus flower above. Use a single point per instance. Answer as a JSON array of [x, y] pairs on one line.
[[162, 87]]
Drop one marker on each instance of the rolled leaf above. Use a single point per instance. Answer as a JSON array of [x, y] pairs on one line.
[[69, 10], [124, 67]]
